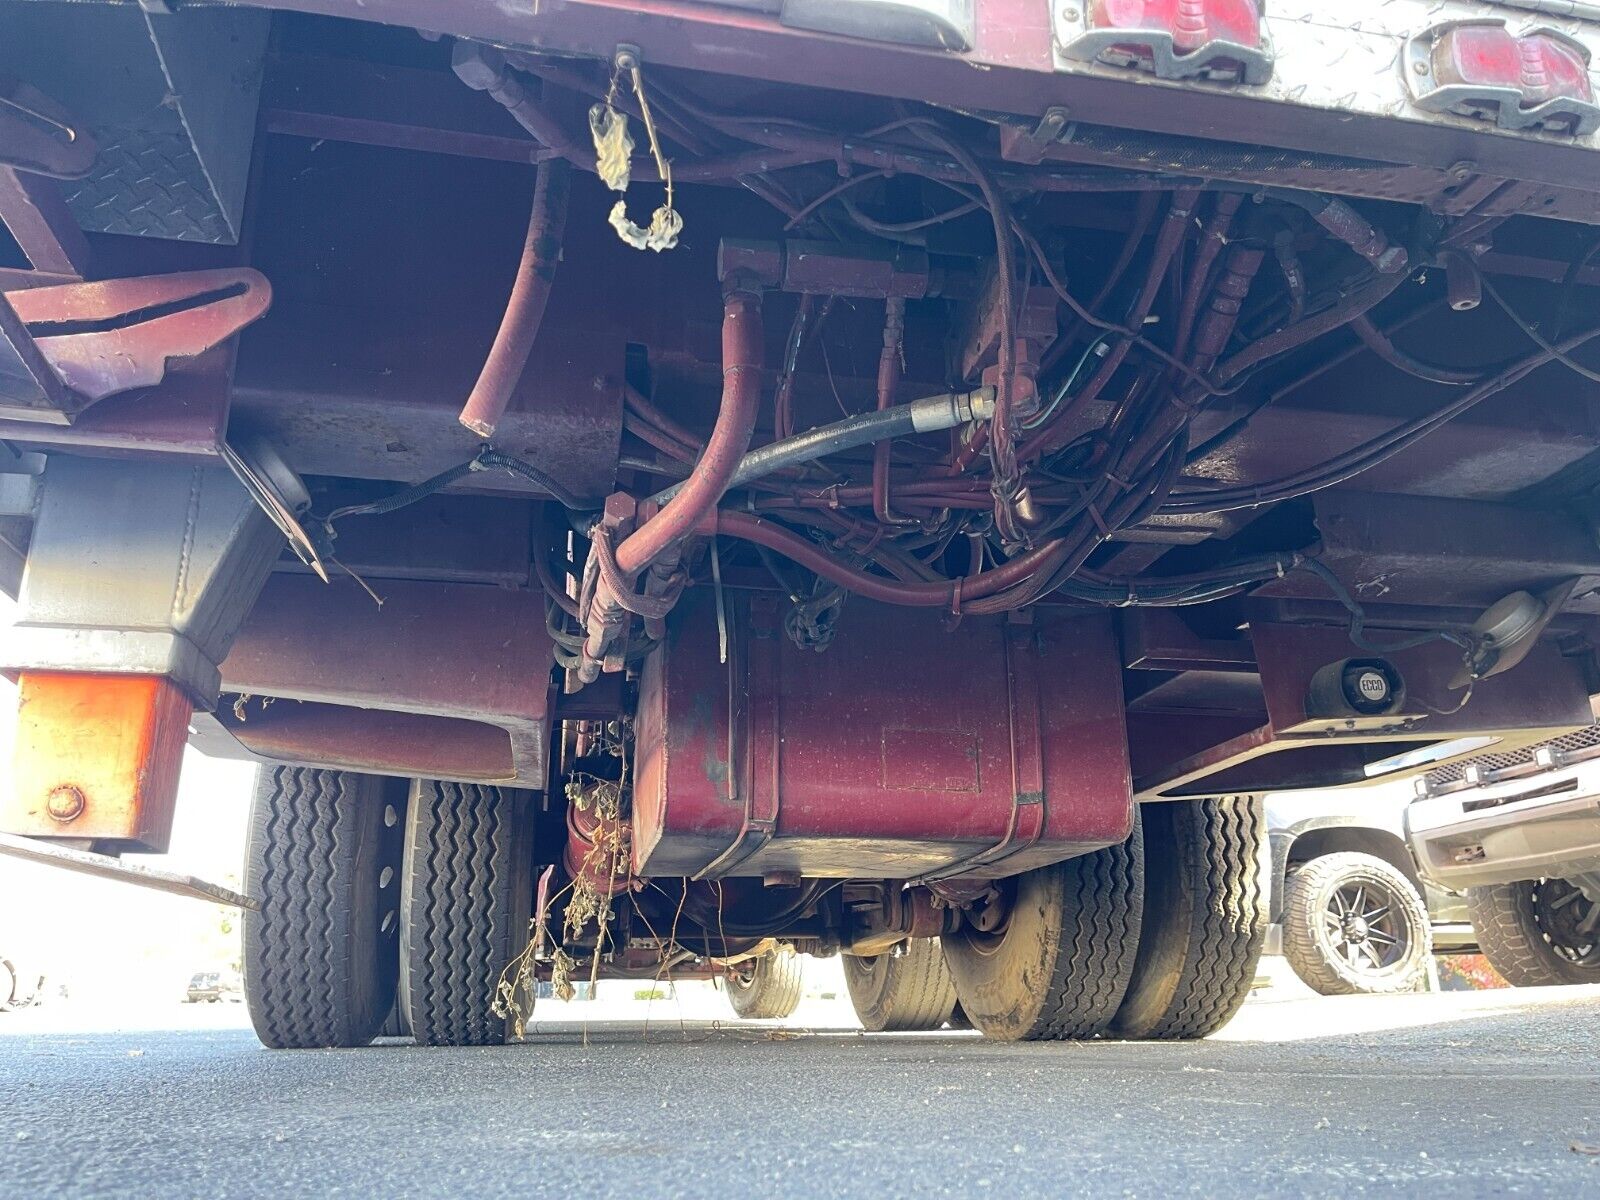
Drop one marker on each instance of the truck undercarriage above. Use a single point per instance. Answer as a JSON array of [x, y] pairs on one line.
[[657, 482]]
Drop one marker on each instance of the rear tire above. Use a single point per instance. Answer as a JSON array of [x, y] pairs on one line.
[[767, 988], [321, 956], [1530, 932], [1204, 918], [905, 994], [1355, 925], [467, 901], [1059, 965]]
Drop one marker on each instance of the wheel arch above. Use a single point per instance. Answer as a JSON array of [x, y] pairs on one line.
[[1299, 844]]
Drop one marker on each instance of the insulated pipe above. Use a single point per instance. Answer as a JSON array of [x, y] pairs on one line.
[[656, 541], [742, 341], [541, 251], [928, 415], [1212, 240]]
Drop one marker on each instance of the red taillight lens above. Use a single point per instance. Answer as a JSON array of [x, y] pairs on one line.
[[1539, 80], [1191, 24], [1538, 66], [1174, 39]]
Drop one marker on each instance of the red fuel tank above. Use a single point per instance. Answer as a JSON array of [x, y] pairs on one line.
[[906, 750]]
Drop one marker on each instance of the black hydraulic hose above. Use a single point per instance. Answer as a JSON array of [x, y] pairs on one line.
[[495, 460], [1176, 590], [927, 415], [1369, 453], [1380, 344], [486, 459]]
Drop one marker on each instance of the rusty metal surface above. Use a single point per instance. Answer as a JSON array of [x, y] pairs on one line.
[[467, 699], [1343, 94], [857, 762]]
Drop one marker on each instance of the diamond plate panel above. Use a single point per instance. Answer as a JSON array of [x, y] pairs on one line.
[[148, 183], [170, 97]]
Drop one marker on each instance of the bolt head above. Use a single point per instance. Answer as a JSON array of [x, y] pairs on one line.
[[65, 803], [1069, 13], [1420, 67]]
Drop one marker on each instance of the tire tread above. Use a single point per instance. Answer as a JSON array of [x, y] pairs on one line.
[[309, 979], [465, 916]]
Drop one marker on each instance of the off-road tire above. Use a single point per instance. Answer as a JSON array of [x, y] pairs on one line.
[[1204, 918], [769, 987], [466, 901], [1504, 917], [321, 956], [904, 994], [1308, 942], [1058, 967]]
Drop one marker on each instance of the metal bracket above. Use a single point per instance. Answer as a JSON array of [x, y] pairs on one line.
[[64, 348], [106, 866], [39, 136]]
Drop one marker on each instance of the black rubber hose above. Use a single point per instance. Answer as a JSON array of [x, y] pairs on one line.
[[920, 416], [1379, 343]]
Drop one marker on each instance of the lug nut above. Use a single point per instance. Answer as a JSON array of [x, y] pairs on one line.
[[65, 803]]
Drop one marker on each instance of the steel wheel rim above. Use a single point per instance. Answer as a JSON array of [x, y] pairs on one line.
[[1569, 922], [1364, 927], [988, 942]]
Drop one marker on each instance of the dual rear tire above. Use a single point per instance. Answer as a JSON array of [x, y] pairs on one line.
[[385, 908], [907, 993], [767, 988], [1157, 937]]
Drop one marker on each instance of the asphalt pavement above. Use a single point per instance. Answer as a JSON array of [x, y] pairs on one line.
[[1433, 1095]]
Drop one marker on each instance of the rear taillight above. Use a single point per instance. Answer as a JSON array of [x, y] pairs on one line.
[[1172, 39], [1480, 69]]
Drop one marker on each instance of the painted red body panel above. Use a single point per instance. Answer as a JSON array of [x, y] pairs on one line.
[[879, 757]]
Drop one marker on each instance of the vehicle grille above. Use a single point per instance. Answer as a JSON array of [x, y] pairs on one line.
[[1514, 758]]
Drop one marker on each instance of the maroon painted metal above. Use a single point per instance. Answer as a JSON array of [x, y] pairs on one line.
[[467, 699], [878, 758], [1012, 54], [1178, 754], [660, 535], [120, 334], [184, 417], [33, 210], [598, 851]]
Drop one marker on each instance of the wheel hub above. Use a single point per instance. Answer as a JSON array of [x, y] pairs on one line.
[[1569, 921], [1364, 927]]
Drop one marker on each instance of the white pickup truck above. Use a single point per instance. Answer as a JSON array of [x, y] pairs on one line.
[[1520, 834]]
